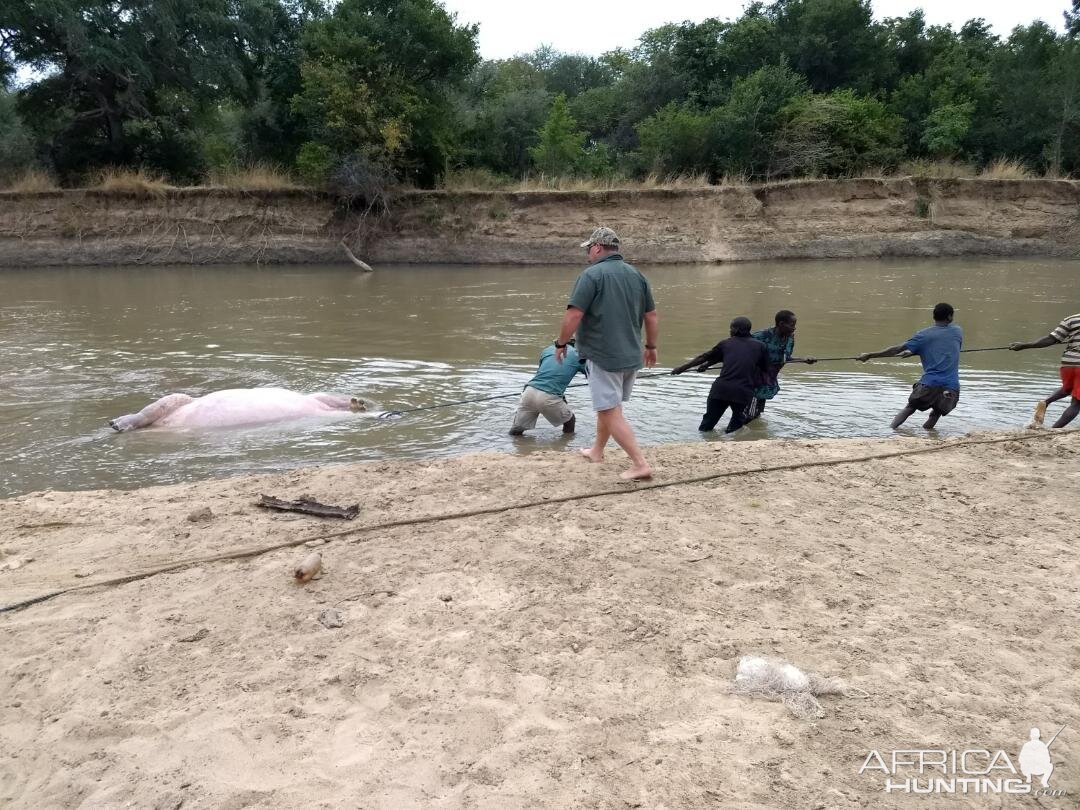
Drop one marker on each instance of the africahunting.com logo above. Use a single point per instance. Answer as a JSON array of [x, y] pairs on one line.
[[938, 771]]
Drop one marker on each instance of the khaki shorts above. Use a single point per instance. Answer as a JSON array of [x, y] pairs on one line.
[[609, 389], [535, 403]]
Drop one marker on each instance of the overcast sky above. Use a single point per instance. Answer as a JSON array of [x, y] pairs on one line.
[[509, 27]]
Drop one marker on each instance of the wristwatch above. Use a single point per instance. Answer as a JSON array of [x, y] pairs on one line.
[[647, 346], [560, 345]]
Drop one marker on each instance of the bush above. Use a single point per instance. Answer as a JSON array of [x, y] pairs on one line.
[[362, 182], [837, 134], [314, 163], [677, 140]]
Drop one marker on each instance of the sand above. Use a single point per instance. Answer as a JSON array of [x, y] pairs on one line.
[[574, 654]]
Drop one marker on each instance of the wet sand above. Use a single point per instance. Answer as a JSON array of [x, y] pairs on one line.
[[566, 654]]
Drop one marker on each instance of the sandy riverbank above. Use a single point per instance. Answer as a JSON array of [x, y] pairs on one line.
[[570, 654]]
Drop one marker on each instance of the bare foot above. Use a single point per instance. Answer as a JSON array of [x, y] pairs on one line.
[[1040, 414], [637, 473], [591, 455]]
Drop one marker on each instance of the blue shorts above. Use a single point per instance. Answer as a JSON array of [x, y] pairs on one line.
[[609, 389]]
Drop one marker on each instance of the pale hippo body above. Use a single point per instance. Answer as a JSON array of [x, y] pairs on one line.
[[237, 407]]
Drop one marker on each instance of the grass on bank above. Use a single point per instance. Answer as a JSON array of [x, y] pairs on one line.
[[260, 177], [267, 177], [132, 181], [484, 180], [30, 181]]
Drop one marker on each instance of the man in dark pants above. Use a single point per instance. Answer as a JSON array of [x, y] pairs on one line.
[[938, 347], [745, 363]]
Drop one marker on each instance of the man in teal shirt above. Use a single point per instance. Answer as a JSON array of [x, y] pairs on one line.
[[545, 392]]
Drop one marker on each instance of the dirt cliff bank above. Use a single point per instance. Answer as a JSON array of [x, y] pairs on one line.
[[563, 654], [806, 219]]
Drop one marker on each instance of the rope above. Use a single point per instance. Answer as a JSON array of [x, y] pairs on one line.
[[645, 376], [496, 510], [856, 357], [388, 414]]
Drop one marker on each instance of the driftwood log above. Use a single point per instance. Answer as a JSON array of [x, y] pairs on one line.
[[309, 507], [362, 265]]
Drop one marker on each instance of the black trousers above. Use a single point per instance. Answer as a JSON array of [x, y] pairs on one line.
[[714, 409]]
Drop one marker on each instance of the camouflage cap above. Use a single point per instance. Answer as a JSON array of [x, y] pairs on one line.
[[602, 236]]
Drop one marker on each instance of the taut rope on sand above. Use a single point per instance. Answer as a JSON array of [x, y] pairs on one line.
[[495, 510]]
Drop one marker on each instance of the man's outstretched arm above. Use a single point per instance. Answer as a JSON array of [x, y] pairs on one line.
[[1041, 343], [899, 349]]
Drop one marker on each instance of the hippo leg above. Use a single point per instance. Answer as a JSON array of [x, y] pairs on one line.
[[151, 413]]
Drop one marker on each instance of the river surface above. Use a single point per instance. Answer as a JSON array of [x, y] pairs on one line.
[[79, 346]]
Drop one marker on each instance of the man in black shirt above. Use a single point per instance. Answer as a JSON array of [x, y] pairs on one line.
[[745, 362]]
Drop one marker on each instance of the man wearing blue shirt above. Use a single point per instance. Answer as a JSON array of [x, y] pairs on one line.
[[938, 347], [544, 394]]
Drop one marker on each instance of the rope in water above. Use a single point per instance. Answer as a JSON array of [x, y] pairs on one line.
[[856, 357], [388, 414], [627, 489], [645, 376]]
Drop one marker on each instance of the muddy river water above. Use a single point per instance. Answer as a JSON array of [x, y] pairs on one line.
[[78, 346]]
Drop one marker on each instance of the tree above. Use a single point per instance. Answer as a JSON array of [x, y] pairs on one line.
[[751, 118], [958, 74], [559, 147], [377, 76], [946, 127], [833, 43], [499, 111], [16, 146], [268, 127], [125, 79]]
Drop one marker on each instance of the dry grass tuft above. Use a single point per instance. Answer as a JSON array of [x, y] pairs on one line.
[[735, 181], [260, 177], [132, 181], [1006, 169], [31, 181], [937, 169], [654, 180], [544, 182], [474, 180]]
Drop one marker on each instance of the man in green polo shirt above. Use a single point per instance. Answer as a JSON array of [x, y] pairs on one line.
[[610, 302]]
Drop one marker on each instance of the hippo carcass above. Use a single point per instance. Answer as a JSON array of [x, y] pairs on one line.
[[237, 407]]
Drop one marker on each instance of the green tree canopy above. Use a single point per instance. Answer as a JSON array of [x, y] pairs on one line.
[[559, 147], [377, 78], [124, 80]]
